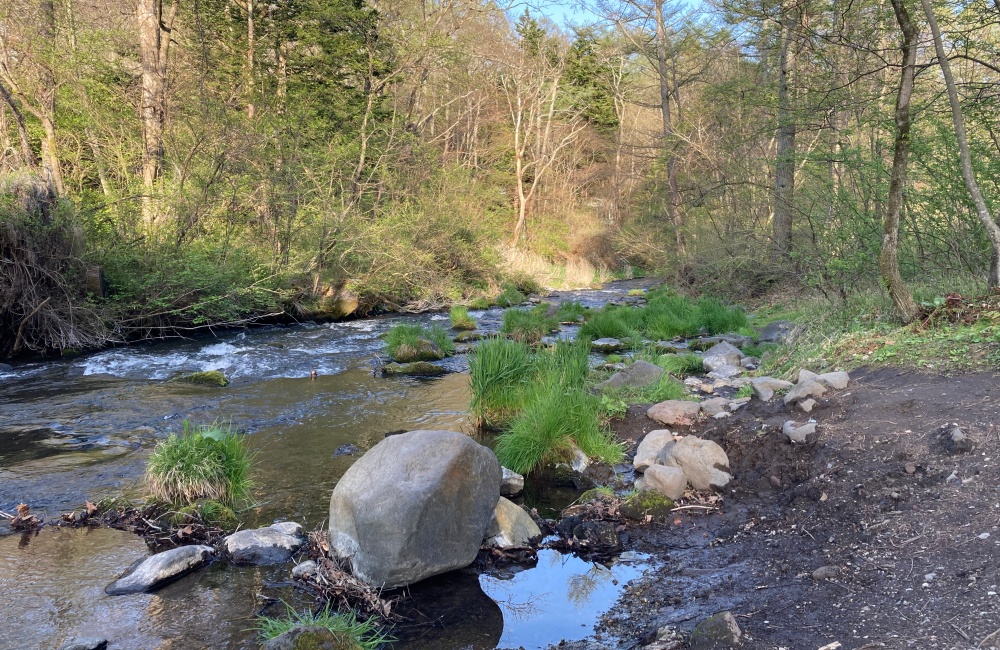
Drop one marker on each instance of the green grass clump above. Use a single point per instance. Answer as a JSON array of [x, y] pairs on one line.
[[666, 388], [206, 378], [613, 322], [479, 303], [670, 316], [346, 627], [758, 349], [460, 318], [406, 343], [680, 364], [202, 462], [570, 312], [500, 369], [614, 358], [528, 325], [717, 318], [555, 417], [746, 390], [510, 297], [207, 512]]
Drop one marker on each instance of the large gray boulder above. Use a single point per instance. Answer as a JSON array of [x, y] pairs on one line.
[[157, 570], [270, 545], [650, 447], [721, 354], [704, 462], [764, 387], [416, 505], [805, 389], [777, 332], [668, 481], [640, 373]]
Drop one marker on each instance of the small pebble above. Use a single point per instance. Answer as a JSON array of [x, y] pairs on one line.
[[910, 468]]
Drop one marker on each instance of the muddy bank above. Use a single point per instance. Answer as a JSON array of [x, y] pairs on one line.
[[905, 533]]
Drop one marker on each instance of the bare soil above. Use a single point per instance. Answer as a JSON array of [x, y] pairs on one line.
[[910, 531]]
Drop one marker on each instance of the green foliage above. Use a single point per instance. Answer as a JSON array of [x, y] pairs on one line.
[[717, 318], [499, 370], [406, 343], [614, 358], [613, 322], [460, 319], [570, 312], [666, 388], [613, 408], [479, 303], [510, 297], [208, 512], [746, 390], [202, 462], [528, 325], [680, 364], [365, 635]]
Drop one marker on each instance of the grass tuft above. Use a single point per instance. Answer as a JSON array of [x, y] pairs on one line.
[[500, 369], [352, 632], [680, 364], [460, 318], [528, 325], [622, 323], [570, 312], [510, 297], [202, 462], [406, 343]]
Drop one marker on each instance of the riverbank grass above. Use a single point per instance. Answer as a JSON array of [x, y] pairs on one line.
[[499, 369], [350, 632], [202, 462], [528, 325], [407, 343]]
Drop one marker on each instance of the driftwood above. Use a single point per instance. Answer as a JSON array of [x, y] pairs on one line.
[[334, 583]]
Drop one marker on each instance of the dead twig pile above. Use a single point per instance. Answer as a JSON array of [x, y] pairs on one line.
[[334, 583], [23, 520]]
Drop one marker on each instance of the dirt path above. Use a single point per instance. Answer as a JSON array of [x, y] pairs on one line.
[[911, 531]]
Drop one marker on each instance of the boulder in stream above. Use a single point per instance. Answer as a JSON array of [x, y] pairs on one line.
[[416, 505], [157, 570], [269, 545], [511, 526]]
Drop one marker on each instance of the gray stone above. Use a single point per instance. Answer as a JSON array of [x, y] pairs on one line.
[[641, 373], [796, 433], [806, 375], [157, 570], [764, 387], [511, 483], [715, 405], [650, 447], [674, 412], [956, 442], [668, 481], [85, 643], [721, 354], [778, 331], [414, 369], [716, 632], [726, 372], [750, 363], [607, 345], [807, 405], [311, 637], [467, 337], [804, 390], [5, 367], [268, 545], [827, 572], [416, 505], [835, 380], [669, 347], [304, 569], [704, 462], [706, 342], [511, 526]]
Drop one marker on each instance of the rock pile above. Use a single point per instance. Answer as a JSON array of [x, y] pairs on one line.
[[669, 464]]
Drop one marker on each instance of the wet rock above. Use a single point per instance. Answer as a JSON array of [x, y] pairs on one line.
[[269, 545], [714, 405], [85, 643], [955, 441], [668, 481], [828, 572], [777, 331], [705, 463], [764, 387], [6, 367], [640, 373], [601, 534], [160, 569], [607, 345], [804, 390], [835, 380], [207, 378], [646, 503], [424, 350], [669, 347], [467, 337], [650, 447], [346, 450], [511, 483], [416, 505], [721, 354], [511, 526], [304, 569], [796, 433], [716, 632], [413, 369], [308, 637], [674, 412]]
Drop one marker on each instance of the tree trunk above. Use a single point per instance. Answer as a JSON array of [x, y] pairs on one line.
[[888, 261], [784, 168], [673, 195], [154, 45], [992, 229], [22, 131]]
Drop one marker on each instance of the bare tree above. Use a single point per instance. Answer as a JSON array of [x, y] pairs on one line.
[[154, 46]]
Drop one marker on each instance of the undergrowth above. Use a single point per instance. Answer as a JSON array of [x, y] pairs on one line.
[[528, 325], [349, 630]]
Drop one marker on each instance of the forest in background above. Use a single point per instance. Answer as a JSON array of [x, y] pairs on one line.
[[167, 166]]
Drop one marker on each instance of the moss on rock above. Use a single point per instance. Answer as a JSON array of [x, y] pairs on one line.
[[646, 503], [206, 378], [415, 369]]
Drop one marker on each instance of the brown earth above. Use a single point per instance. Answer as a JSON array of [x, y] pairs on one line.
[[912, 531]]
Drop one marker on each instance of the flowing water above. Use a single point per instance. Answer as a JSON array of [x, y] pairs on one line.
[[82, 428]]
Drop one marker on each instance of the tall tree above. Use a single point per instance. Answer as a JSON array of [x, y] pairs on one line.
[[154, 48]]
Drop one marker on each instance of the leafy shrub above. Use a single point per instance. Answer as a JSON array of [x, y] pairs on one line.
[[202, 462], [460, 318], [528, 325], [406, 343], [499, 369], [346, 627]]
